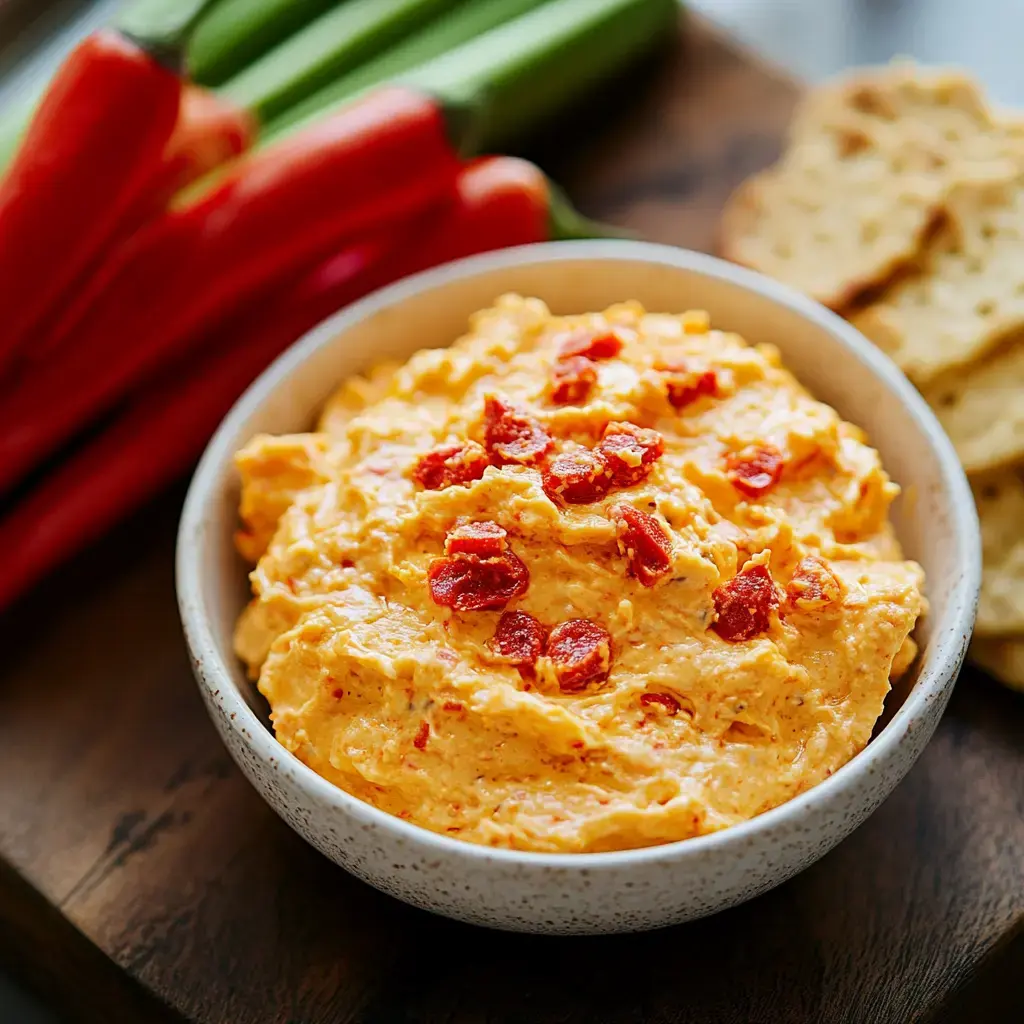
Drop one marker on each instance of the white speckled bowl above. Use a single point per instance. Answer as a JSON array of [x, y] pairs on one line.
[[605, 892]]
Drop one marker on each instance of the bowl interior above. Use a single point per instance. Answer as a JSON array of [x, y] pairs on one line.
[[834, 363]]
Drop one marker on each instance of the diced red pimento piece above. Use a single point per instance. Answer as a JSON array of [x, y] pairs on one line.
[[572, 380], [511, 434], [630, 452], [519, 639], [755, 470], [664, 700], [581, 653], [684, 385], [486, 539], [643, 540], [591, 344], [451, 464], [578, 477], [422, 735], [813, 585], [744, 605], [471, 584]]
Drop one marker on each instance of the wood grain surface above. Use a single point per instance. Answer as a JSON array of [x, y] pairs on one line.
[[121, 810]]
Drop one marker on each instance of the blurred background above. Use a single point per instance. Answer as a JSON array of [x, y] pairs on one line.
[[809, 38]]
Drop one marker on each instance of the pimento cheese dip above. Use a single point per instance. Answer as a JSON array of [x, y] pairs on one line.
[[575, 583]]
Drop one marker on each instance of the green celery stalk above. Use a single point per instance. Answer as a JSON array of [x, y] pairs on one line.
[[505, 81], [524, 71], [236, 32], [331, 45], [468, 19]]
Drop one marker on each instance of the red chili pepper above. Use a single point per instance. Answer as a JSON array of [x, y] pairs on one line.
[[95, 141], [149, 446], [498, 201], [373, 163], [210, 131]]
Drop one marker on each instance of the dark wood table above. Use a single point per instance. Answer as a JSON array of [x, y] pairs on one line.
[[141, 878]]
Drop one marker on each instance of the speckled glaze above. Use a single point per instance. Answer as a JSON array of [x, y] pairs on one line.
[[607, 892]]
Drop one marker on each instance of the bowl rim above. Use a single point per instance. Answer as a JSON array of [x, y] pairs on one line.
[[951, 634]]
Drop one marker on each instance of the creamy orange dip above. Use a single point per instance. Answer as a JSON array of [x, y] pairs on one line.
[[575, 583]]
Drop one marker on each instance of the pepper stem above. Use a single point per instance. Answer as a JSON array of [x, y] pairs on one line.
[[463, 115], [162, 27], [566, 222]]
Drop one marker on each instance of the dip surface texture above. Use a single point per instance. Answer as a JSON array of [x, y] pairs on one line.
[[575, 583]]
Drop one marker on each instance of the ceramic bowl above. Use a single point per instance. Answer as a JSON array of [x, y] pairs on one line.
[[604, 892]]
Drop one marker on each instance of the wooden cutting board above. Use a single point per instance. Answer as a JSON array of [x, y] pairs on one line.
[[143, 879]]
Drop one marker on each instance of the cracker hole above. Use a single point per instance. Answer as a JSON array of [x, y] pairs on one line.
[[783, 250], [947, 399], [869, 101], [990, 492], [988, 230], [975, 266], [985, 308]]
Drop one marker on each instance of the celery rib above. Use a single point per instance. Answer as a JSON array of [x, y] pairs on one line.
[[467, 20], [332, 45]]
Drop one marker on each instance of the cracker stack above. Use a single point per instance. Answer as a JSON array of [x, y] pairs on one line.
[[899, 202]]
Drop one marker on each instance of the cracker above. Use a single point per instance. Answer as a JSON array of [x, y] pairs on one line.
[[945, 106], [1000, 500], [839, 214], [872, 157], [1003, 659], [969, 294], [981, 408]]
